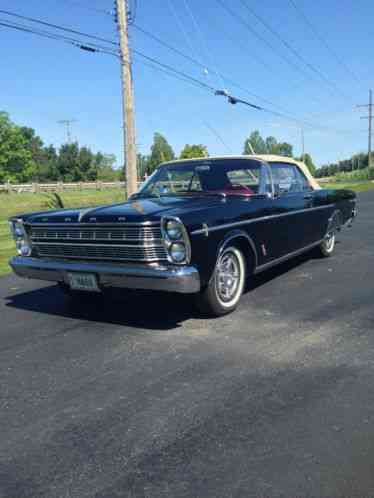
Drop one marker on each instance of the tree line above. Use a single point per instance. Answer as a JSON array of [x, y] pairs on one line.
[[24, 157], [162, 151], [356, 162]]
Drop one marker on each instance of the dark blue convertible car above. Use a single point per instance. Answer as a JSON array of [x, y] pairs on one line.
[[200, 226]]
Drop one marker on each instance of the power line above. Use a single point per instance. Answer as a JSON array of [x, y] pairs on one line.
[[323, 41], [186, 37], [218, 136], [90, 47], [56, 26], [176, 71], [167, 45], [229, 80], [201, 65], [161, 66], [86, 7], [202, 38], [262, 39], [296, 53]]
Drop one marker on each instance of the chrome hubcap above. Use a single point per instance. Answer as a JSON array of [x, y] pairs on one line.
[[227, 277]]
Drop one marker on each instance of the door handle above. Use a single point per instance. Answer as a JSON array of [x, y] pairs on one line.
[[308, 196]]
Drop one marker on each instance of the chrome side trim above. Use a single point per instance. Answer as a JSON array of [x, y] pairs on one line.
[[169, 278], [256, 220], [286, 257]]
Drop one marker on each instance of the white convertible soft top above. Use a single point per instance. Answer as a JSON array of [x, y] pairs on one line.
[[269, 158]]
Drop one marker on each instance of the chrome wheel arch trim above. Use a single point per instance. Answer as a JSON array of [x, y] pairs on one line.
[[238, 234]]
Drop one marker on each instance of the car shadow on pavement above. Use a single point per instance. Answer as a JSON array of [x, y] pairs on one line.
[[146, 310], [137, 309]]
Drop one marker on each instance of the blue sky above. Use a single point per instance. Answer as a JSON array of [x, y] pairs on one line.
[[44, 81]]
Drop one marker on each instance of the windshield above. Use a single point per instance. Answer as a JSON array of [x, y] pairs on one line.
[[230, 177]]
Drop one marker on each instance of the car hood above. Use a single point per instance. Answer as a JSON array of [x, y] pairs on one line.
[[136, 211]]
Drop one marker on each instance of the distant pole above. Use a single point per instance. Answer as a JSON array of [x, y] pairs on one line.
[[370, 118], [67, 123], [127, 99]]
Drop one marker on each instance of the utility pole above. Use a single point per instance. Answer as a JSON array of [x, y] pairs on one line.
[[121, 13], [67, 123], [370, 118]]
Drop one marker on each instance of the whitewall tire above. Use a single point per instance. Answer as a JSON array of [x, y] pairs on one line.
[[223, 293]]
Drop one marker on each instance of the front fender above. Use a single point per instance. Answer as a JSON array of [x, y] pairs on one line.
[[206, 250]]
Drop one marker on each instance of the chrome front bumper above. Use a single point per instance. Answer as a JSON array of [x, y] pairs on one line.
[[182, 279]]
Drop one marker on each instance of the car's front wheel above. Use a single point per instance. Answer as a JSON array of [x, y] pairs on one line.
[[327, 247], [223, 292]]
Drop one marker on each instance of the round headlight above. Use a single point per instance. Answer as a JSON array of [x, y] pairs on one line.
[[18, 232], [178, 252], [23, 248], [174, 230]]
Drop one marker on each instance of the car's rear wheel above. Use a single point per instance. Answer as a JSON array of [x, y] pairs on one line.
[[223, 292], [326, 248]]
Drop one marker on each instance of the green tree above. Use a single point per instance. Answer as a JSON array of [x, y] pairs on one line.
[[270, 145], [46, 165], [67, 163], [284, 149], [192, 151], [106, 171], [307, 159], [16, 162], [257, 142], [161, 151]]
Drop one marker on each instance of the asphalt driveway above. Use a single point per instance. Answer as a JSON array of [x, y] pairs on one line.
[[143, 398]]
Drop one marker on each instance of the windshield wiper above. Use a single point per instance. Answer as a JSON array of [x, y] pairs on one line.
[[201, 192], [144, 195]]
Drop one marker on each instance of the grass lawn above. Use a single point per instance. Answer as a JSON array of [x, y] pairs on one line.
[[12, 204], [356, 186]]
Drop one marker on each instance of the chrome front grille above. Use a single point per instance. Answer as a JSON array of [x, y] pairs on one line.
[[122, 243], [103, 233], [96, 251]]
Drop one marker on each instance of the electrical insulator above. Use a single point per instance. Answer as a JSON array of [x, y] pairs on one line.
[[115, 12]]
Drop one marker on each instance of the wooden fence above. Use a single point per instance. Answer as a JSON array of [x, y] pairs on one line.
[[59, 187]]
